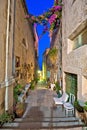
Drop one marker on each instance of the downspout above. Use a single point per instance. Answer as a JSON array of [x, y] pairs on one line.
[[13, 37], [6, 67]]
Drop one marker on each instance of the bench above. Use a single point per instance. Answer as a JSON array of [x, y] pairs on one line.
[[24, 93]]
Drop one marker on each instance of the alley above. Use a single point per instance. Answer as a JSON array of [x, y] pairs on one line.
[[41, 113], [43, 46]]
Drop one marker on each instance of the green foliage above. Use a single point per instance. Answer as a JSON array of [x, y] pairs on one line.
[[86, 103], [57, 87], [85, 108], [5, 117], [53, 52], [19, 106], [53, 55], [36, 80], [78, 107], [32, 86], [17, 91]]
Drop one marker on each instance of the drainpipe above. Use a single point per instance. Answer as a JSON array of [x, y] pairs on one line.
[[6, 66], [13, 36]]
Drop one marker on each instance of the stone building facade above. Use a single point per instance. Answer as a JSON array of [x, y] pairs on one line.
[[55, 69], [17, 51], [74, 47]]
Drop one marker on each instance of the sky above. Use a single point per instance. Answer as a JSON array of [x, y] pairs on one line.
[[37, 7]]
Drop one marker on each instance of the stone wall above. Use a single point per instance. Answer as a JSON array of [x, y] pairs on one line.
[[24, 43], [20, 45], [74, 21], [3, 16]]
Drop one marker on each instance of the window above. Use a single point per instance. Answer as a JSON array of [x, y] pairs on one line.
[[80, 40]]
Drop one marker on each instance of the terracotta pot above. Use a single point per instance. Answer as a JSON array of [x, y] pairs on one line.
[[81, 115], [19, 112], [19, 109], [85, 116]]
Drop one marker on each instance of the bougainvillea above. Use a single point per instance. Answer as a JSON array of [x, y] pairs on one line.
[[50, 19]]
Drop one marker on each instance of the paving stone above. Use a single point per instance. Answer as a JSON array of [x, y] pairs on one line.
[[42, 114]]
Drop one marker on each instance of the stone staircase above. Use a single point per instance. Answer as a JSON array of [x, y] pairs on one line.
[[42, 114], [44, 123]]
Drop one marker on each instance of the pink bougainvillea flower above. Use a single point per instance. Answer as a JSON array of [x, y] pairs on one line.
[[58, 7], [52, 18]]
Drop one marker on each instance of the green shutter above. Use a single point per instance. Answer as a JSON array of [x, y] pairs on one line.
[[71, 84]]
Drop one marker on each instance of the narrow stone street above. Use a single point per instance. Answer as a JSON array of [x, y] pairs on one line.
[[43, 56], [41, 113]]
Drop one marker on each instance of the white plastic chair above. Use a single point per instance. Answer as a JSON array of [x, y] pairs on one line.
[[68, 106], [52, 85], [61, 100]]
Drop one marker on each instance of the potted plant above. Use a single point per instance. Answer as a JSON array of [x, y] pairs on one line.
[[17, 91], [58, 89], [85, 111], [5, 117], [32, 86], [19, 110], [79, 110]]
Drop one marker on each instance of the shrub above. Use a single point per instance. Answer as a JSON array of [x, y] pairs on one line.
[[86, 103], [85, 108], [53, 54], [78, 106], [57, 87], [5, 117], [17, 91], [32, 86]]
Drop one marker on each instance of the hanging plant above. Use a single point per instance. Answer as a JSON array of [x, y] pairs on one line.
[[50, 19], [53, 55]]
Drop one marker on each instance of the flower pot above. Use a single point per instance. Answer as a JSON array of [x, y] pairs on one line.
[[85, 116], [80, 115], [19, 109], [19, 112]]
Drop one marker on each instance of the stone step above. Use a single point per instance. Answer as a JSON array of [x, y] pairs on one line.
[[38, 119], [38, 125], [75, 128]]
